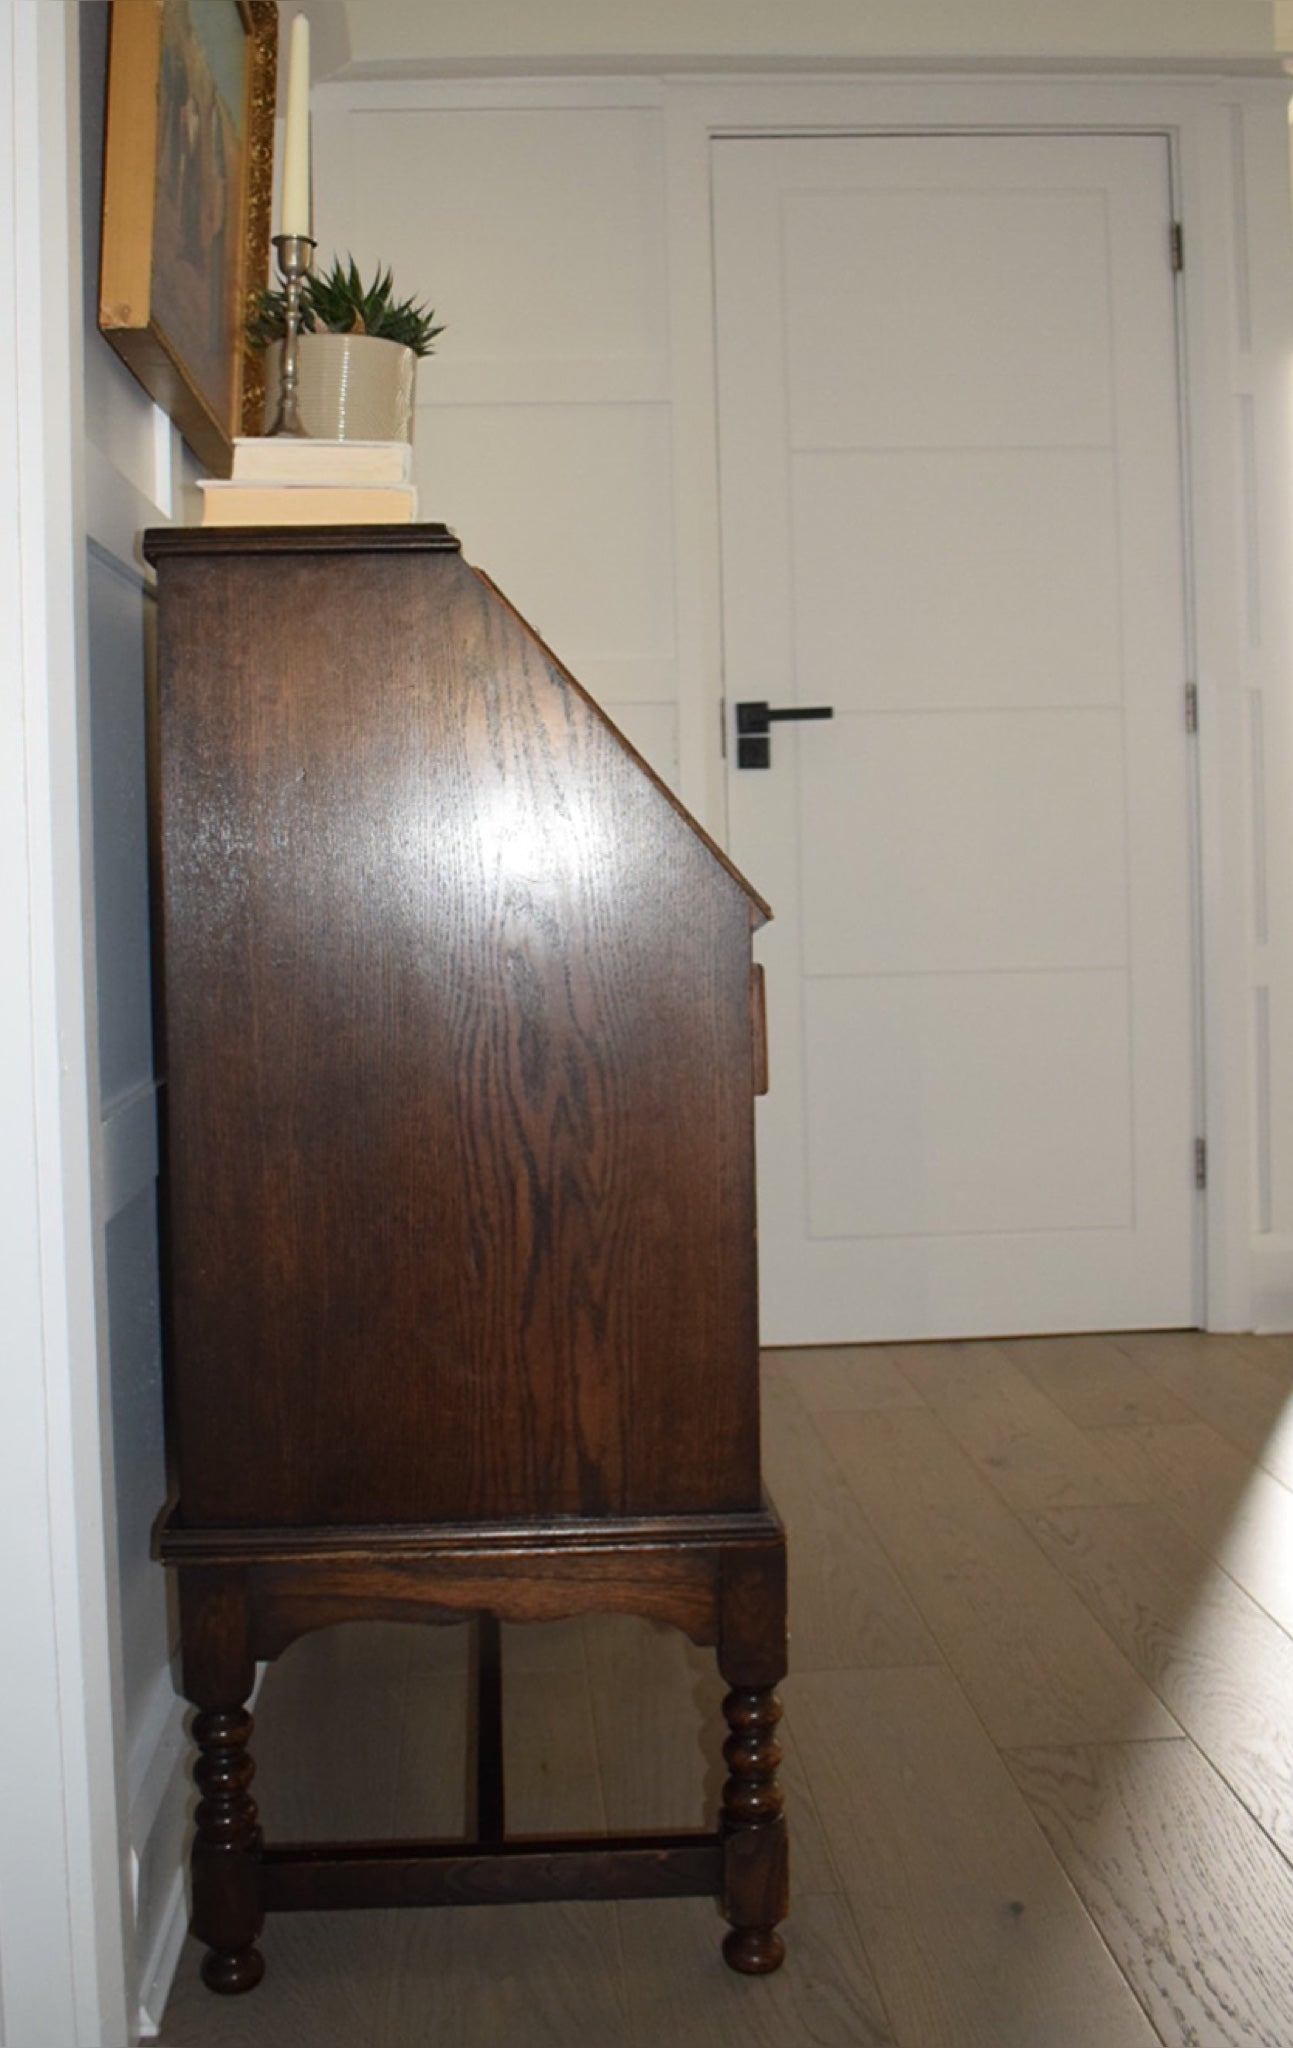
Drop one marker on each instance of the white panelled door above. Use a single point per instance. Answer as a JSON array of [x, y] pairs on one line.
[[951, 509]]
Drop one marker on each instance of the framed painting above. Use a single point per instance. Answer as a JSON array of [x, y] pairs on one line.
[[187, 187]]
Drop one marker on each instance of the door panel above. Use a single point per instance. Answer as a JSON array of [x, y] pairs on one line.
[[1026, 543], [1012, 1153], [981, 843], [980, 317], [951, 508]]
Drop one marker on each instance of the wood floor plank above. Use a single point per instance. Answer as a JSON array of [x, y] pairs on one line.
[[1273, 1353], [1094, 1382], [1036, 1665], [543, 1646], [1193, 1900], [658, 1710], [1219, 1662], [975, 1936], [552, 1777], [813, 1872], [431, 1797], [1235, 1510], [827, 1376], [847, 1607], [326, 1978], [442, 1647], [1024, 1445], [531, 1976], [314, 1775], [657, 1704], [1244, 1388], [681, 1994], [917, 1863]]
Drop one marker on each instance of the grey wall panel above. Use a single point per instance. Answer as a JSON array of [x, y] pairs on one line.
[[131, 1257], [117, 655]]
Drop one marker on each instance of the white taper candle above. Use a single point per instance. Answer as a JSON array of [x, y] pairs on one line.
[[294, 210]]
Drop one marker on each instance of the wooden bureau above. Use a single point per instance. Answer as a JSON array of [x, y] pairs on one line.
[[460, 1037]]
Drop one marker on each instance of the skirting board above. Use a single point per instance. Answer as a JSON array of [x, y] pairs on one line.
[[158, 1829], [158, 1749], [1272, 1270], [159, 1971]]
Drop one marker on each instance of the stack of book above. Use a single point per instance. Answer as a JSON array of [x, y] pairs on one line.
[[279, 480]]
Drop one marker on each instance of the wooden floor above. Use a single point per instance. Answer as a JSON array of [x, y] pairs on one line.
[[1039, 1739]]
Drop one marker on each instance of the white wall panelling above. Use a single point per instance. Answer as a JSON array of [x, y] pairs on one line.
[[534, 221], [129, 461], [1239, 326], [567, 508], [1264, 377], [64, 1913], [563, 313]]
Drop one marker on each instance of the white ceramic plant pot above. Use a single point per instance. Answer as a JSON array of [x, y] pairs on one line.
[[351, 387]]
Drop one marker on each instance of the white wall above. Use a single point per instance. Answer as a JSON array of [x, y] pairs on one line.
[[91, 1896], [1255, 682], [543, 430], [566, 431], [62, 1906], [130, 457], [442, 35]]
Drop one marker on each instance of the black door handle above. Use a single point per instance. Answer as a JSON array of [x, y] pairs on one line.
[[753, 719]]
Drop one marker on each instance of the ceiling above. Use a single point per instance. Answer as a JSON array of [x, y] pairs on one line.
[[447, 38]]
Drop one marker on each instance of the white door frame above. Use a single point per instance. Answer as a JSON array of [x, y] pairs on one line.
[[1229, 144], [62, 1905]]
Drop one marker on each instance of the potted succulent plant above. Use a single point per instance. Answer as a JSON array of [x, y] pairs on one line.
[[359, 350]]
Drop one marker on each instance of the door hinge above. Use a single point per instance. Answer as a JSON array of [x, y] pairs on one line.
[[722, 727], [1177, 243], [1191, 707], [1200, 1162]]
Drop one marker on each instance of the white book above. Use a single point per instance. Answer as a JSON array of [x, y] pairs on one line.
[[234, 502], [291, 459]]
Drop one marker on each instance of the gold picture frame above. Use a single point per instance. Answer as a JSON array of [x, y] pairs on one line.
[[187, 189]]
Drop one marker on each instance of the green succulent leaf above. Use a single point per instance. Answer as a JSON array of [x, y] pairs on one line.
[[338, 302]]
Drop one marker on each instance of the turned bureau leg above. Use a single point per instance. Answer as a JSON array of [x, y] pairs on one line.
[[226, 1848], [754, 1833], [752, 1658], [219, 1673]]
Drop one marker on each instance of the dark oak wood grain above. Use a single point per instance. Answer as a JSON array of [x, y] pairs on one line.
[[457, 1027]]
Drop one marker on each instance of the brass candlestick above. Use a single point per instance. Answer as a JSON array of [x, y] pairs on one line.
[[295, 254]]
